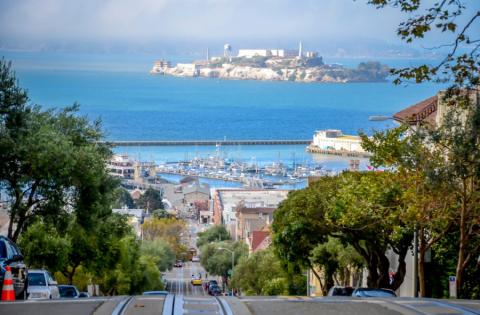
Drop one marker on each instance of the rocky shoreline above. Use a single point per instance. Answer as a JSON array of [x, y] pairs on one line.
[[266, 70]]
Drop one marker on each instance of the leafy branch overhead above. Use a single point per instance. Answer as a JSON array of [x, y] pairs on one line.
[[461, 63]]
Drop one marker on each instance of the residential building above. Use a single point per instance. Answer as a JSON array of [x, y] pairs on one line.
[[251, 218], [225, 202], [259, 240], [195, 192]]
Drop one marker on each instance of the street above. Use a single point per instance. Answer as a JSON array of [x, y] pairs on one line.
[[178, 280]]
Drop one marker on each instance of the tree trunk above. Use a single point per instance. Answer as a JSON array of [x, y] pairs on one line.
[[461, 254], [384, 268], [322, 287], [421, 262]]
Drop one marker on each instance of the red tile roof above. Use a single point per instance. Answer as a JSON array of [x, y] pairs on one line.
[[257, 239], [425, 111]]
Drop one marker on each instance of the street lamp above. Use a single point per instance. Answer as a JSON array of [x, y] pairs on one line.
[[233, 258], [415, 231]]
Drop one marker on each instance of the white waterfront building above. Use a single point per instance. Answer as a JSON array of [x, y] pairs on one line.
[[333, 139]]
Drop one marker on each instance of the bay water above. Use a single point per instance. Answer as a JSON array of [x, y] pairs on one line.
[[134, 105]]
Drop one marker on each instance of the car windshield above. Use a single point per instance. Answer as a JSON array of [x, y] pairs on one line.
[[67, 291], [36, 279], [374, 293]]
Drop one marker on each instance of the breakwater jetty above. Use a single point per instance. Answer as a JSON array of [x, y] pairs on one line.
[[135, 143]]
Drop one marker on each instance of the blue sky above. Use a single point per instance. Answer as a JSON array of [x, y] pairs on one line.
[[136, 23]]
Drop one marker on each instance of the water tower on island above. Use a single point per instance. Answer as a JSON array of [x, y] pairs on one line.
[[227, 51]]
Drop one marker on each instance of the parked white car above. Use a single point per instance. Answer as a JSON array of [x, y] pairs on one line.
[[41, 285]]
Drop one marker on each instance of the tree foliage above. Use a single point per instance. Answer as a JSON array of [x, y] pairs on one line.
[[219, 262], [363, 210], [151, 200], [169, 230], [124, 199], [216, 233], [461, 63], [49, 161], [261, 274]]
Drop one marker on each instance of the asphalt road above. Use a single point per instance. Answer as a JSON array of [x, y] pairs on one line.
[[178, 280], [206, 305]]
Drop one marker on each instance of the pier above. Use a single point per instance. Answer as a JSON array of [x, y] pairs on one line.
[[138, 143]]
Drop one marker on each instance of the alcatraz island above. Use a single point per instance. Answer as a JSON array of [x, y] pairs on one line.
[[273, 65]]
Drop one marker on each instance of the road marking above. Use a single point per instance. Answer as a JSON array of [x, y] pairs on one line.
[[122, 306]]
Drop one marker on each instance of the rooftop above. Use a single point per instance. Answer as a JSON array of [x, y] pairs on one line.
[[424, 111]]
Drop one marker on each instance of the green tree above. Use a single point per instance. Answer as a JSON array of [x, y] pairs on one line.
[[219, 262], [161, 251], [151, 200], [337, 262], [426, 191], [133, 272], [170, 230], [363, 210], [460, 64], [43, 247], [456, 139], [261, 274], [124, 199], [299, 224], [216, 233], [48, 160], [161, 214]]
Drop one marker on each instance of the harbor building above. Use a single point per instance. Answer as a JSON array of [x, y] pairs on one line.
[[121, 166], [335, 140]]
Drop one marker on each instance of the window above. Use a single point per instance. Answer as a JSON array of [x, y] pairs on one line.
[[3, 250], [36, 279]]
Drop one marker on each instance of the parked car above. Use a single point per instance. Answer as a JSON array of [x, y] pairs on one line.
[[10, 255], [41, 285], [215, 290], [178, 263], [68, 291], [161, 293], [84, 295], [340, 291], [213, 287], [195, 259], [370, 292]]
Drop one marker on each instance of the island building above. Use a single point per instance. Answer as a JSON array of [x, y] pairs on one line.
[[251, 53], [335, 140], [160, 66], [278, 52]]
